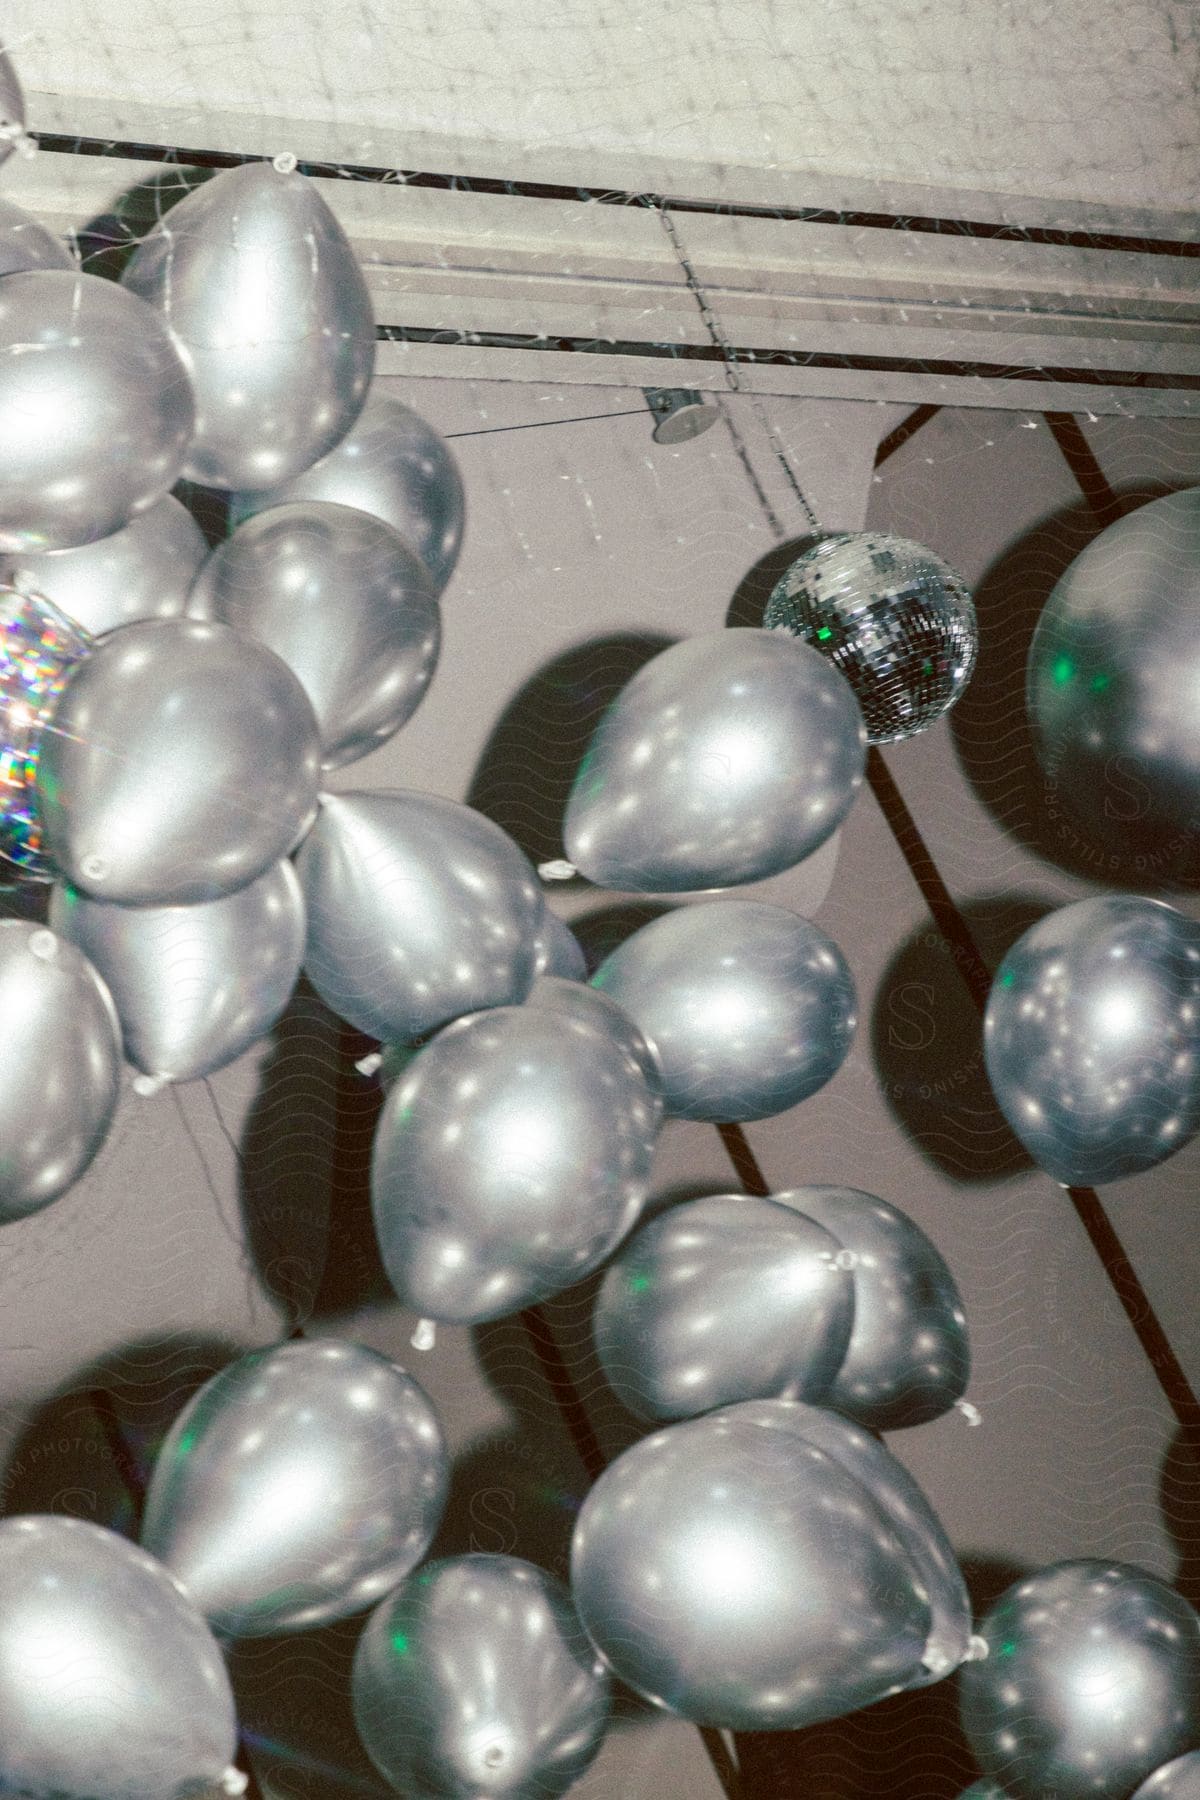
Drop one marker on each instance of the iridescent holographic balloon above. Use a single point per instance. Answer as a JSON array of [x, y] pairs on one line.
[[39, 649], [892, 616], [1090, 1684], [476, 1681]]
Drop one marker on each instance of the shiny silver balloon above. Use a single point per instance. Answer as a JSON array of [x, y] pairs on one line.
[[419, 910], [143, 571], [60, 1066], [510, 1159], [475, 1679], [727, 758], [12, 108], [1092, 1037], [194, 986], [297, 1487], [891, 616], [1113, 670], [96, 409], [181, 763], [394, 465], [111, 1684], [1091, 1682], [552, 993], [262, 292], [1176, 1780], [908, 1358], [737, 1574], [557, 951], [346, 604], [721, 1299], [747, 1008], [24, 241], [933, 1567]]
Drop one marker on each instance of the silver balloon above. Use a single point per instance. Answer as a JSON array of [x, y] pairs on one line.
[[297, 1487], [747, 1008], [737, 1574], [1113, 669], [96, 410], [143, 571], [12, 107], [181, 763], [394, 465], [552, 993], [1091, 1682], [557, 950], [475, 1679], [262, 292], [343, 600], [60, 1067], [510, 1159], [1092, 1037], [419, 910], [933, 1567], [194, 986], [896, 621], [727, 758], [24, 241], [111, 1684], [722, 1299], [908, 1359], [1176, 1780]]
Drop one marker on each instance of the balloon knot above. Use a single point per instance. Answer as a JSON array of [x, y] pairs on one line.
[[846, 1259], [234, 1781], [977, 1649], [285, 163], [425, 1336], [369, 1065], [146, 1086], [44, 945], [557, 869], [970, 1413]]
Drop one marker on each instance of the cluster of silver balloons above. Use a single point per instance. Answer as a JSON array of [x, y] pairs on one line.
[[820, 1294], [168, 715]]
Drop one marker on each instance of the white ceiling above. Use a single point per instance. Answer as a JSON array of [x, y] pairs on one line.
[[1080, 104]]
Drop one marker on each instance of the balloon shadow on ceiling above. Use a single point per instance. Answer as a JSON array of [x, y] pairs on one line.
[[107, 242], [89, 1450], [927, 1043], [528, 766], [910, 1747], [599, 933], [305, 1168], [990, 726], [1179, 1498], [757, 584], [296, 1714]]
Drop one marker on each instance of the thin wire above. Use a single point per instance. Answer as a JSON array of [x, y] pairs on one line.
[[628, 412], [732, 379]]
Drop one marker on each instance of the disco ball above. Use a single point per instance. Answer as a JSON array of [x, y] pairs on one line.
[[895, 620]]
